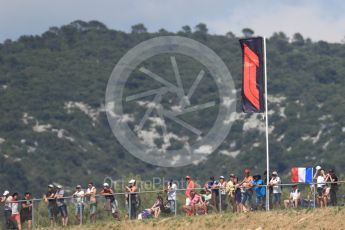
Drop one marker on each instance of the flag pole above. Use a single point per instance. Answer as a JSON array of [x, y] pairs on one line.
[[266, 121]]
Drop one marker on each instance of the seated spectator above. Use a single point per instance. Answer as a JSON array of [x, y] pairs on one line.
[[206, 196], [158, 206], [195, 204], [260, 192], [145, 214], [294, 199]]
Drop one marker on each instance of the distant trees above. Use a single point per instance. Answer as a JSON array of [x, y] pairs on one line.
[[139, 28], [298, 39], [201, 28], [186, 29], [247, 32]]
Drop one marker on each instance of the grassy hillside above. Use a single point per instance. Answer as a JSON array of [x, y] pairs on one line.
[[330, 218], [53, 126]]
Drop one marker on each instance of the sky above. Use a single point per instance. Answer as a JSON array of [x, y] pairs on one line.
[[315, 19]]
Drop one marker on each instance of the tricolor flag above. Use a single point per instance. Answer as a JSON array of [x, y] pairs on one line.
[[303, 175], [253, 75]]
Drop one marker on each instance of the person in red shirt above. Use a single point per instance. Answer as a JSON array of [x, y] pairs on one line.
[[190, 187]]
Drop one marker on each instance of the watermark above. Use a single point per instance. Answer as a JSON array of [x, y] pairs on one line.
[[139, 139]]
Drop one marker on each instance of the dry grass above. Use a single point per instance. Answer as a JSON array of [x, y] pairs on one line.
[[330, 218]]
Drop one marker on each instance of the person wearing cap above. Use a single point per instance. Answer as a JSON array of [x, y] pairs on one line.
[[171, 192], [78, 195], [132, 199], [61, 205], [49, 198], [111, 202], [230, 190], [91, 196], [190, 186], [222, 190], [332, 179], [213, 186], [246, 190], [276, 189], [26, 211], [6, 199], [260, 192]]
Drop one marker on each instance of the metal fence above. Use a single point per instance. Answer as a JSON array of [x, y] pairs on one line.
[[129, 206]]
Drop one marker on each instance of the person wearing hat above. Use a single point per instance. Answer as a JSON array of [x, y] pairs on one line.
[[246, 190], [276, 189], [49, 198], [78, 195], [190, 186], [132, 199], [7, 198], [61, 205], [222, 190], [230, 190], [111, 202]]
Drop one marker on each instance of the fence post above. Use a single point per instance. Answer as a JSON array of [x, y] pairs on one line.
[[33, 213], [175, 202], [129, 206], [220, 200], [81, 205]]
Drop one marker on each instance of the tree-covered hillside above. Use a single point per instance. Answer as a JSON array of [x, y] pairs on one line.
[[53, 125]]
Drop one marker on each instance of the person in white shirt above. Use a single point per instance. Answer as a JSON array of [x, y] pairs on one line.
[[171, 191], [79, 202], [7, 198], [320, 177], [277, 191], [294, 199]]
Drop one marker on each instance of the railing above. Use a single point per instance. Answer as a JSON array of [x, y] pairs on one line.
[[125, 208]]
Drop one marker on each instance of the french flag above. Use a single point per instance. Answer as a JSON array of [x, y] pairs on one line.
[[302, 175]]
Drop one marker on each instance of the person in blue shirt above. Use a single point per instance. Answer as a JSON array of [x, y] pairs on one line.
[[260, 192]]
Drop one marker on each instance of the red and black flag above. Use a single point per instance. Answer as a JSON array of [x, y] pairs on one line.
[[253, 75]]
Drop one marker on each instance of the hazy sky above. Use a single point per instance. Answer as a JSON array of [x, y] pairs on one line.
[[317, 19]]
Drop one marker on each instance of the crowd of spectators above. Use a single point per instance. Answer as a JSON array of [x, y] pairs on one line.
[[222, 194]]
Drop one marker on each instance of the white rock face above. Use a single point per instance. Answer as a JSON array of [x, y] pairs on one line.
[[86, 109], [2, 140], [41, 128]]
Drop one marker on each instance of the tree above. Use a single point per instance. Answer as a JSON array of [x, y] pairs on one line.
[[201, 28], [247, 32], [230, 35], [186, 29], [139, 28], [298, 39]]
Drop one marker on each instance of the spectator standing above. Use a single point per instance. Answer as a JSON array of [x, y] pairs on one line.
[[78, 195], [61, 205], [111, 202], [26, 211], [294, 199], [15, 217], [260, 192], [171, 191], [213, 186], [247, 191], [6, 199], [230, 190], [333, 179], [223, 194], [190, 186], [49, 198], [91, 195], [132, 202], [320, 178], [276, 189]]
